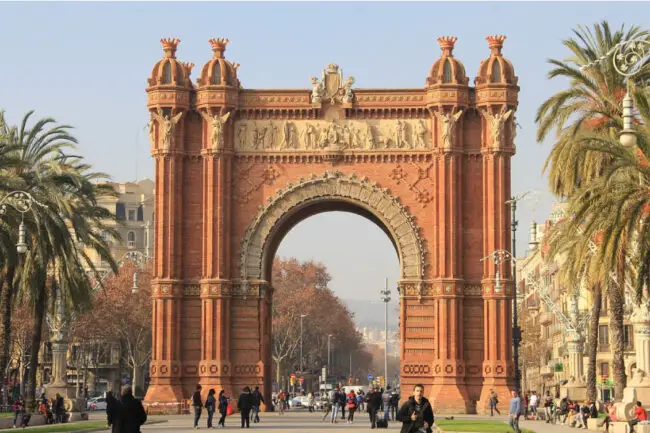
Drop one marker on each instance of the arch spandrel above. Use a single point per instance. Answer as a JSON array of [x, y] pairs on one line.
[[334, 186]]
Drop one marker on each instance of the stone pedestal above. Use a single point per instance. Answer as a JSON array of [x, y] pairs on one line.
[[575, 388], [641, 381]]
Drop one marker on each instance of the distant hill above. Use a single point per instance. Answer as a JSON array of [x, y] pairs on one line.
[[370, 314]]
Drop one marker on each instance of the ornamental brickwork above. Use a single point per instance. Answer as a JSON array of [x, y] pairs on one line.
[[236, 169]]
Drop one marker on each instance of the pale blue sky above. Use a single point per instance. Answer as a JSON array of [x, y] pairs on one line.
[[86, 64]]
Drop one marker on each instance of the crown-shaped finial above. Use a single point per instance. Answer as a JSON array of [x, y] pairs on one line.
[[495, 42], [218, 46], [447, 44], [188, 67], [169, 46]]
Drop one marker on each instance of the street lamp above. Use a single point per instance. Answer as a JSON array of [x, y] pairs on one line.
[[498, 257], [21, 201], [302, 316], [329, 337], [136, 283], [385, 297]]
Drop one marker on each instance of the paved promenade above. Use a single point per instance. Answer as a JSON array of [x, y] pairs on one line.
[[302, 421]]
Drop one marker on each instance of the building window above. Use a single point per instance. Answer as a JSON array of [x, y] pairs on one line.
[[130, 237], [603, 338], [604, 369], [496, 72], [132, 214], [167, 73], [628, 337], [446, 72], [216, 73]]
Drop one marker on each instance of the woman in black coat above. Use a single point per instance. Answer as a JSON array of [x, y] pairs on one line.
[[112, 411], [223, 408], [416, 414]]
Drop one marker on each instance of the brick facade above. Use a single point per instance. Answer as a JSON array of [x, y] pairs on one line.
[[237, 168]]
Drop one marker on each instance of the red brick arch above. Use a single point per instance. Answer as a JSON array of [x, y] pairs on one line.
[[237, 168]]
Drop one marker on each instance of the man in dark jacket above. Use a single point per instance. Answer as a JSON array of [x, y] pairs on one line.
[[258, 399], [197, 404], [416, 414], [131, 413], [245, 404], [374, 404], [113, 407]]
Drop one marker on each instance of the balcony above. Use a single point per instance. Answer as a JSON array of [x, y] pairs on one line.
[[603, 348], [546, 372], [546, 318]]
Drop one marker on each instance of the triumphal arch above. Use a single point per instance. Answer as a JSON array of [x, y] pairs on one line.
[[237, 168]]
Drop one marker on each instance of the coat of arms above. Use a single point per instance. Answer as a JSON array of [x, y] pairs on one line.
[[331, 87]]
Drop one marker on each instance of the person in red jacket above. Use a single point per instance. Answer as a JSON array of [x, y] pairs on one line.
[[639, 415]]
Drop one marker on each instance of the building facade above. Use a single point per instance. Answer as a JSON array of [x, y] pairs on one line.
[[550, 366]]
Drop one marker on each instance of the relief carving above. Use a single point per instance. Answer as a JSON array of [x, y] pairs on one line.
[[331, 86], [330, 186], [399, 175], [310, 135]]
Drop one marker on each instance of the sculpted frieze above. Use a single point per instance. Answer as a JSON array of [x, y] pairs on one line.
[[314, 135]]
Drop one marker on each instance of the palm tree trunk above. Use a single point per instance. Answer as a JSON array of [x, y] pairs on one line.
[[40, 303], [617, 342], [7, 301], [593, 343]]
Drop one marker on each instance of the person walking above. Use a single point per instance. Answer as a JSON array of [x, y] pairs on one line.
[[494, 400], [245, 404], [351, 403], [394, 403], [310, 402], [281, 401], [360, 400], [385, 401], [334, 401], [210, 406], [198, 406], [416, 414], [131, 415], [374, 404], [532, 402], [548, 407], [113, 407], [19, 409], [223, 408], [342, 402], [514, 412], [258, 399]]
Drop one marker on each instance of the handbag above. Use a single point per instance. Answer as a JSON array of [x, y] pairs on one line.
[[229, 409]]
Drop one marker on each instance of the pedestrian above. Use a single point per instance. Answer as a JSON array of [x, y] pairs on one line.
[[639, 415], [515, 411], [223, 408], [385, 401], [532, 402], [351, 403], [360, 400], [334, 400], [416, 413], [493, 402], [394, 403], [198, 406], [210, 406], [131, 415], [373, 399], [343, 397], [281, 401], [113, 407], [59, 409], [548, 407], [258, 399], [19, 409], [245, 404], [310, 401]]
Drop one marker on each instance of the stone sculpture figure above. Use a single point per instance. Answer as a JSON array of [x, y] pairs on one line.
[[401, 134], [216, 125], [348, 95], [497, 122], [317, 90], [368, 138], [311, 136], [420, 134], [332, 135], [347, 136], [242, 129], [167, 124], [260, 136], [448, 122], [271, 133], [288, 136]]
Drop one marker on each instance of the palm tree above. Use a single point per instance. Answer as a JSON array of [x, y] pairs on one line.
[[59, 232], [591, 102]]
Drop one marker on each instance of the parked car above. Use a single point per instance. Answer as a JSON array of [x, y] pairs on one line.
[[97, 403], [299, 402]]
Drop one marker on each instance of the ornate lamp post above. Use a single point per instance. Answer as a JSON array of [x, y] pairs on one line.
[[22, 202], [498, 257], [302, 316], [385, 297]]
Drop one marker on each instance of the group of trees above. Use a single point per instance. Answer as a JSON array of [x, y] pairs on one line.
[[605, 184], [300, 289], [65, 220]]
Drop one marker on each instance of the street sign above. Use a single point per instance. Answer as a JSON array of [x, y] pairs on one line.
[[369, 376]]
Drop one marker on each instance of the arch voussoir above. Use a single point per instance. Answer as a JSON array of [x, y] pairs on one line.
[[332, 186]]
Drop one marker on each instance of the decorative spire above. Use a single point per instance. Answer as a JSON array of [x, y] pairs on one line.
[[218, 46], [169, 46], [495, 42], [188, 67], [447, 44]]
